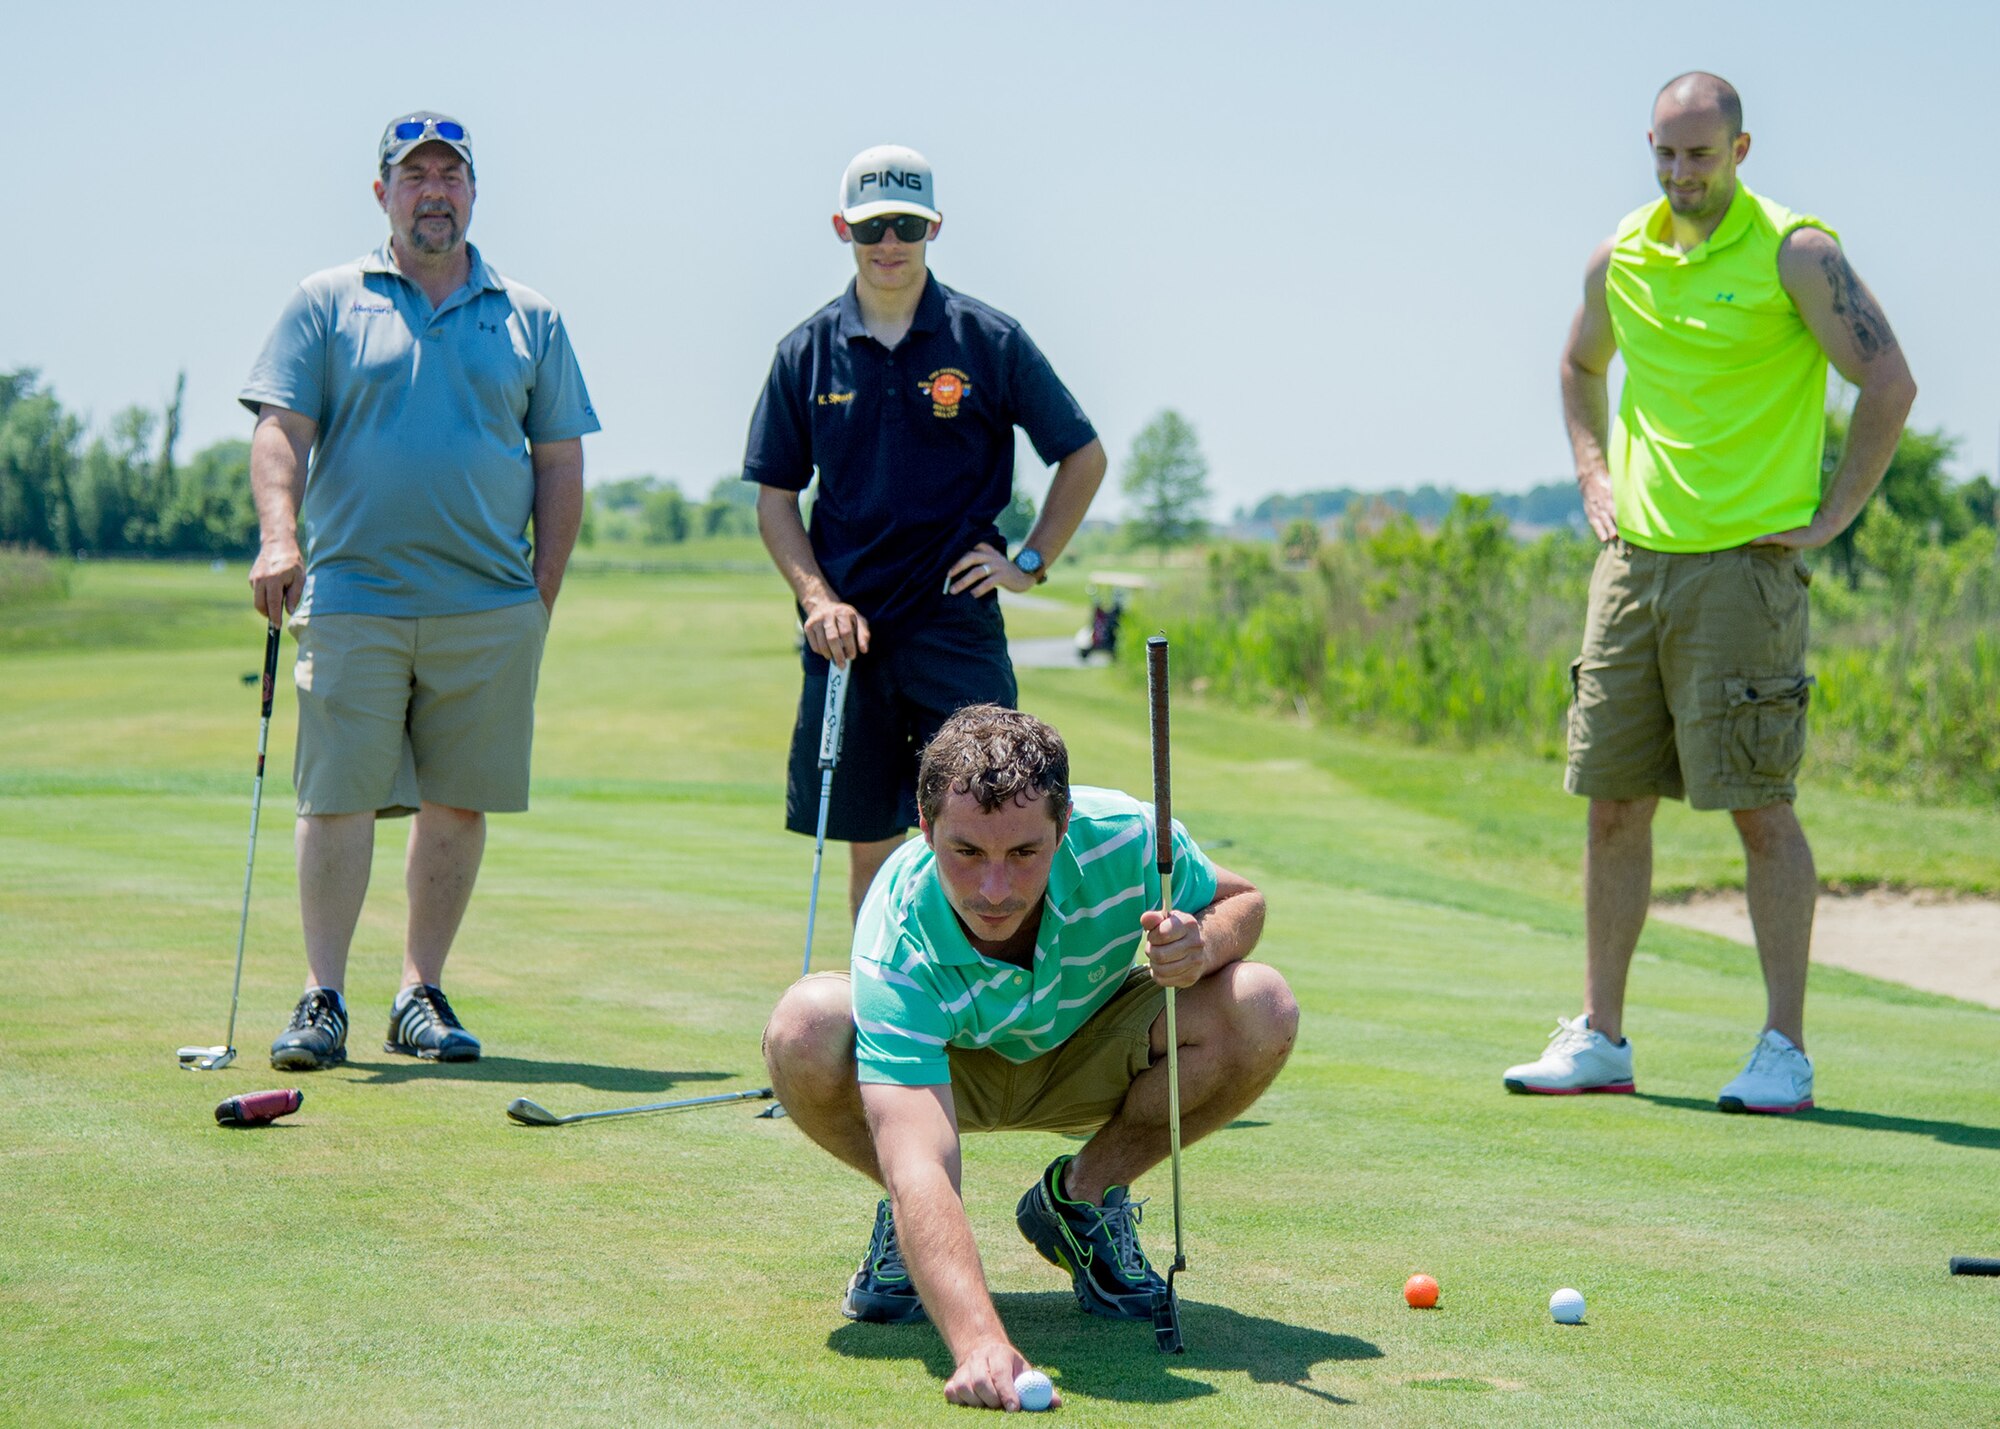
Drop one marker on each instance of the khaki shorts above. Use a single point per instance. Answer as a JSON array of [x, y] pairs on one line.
[[1076, 1088], [1692, 680], [396, 711]]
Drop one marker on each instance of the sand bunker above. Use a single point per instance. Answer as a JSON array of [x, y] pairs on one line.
[[1940, 942]]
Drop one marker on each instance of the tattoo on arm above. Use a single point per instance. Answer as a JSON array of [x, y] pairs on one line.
[[1851, 301]]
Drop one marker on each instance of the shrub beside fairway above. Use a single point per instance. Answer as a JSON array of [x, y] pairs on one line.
[[31, 576], [1463, 636], [398, 1251]]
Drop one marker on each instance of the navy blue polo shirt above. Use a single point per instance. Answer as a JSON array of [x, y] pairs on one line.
[[914, 445]]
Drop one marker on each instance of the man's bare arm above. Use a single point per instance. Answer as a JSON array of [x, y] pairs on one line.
[[280, 447], [915, 1130], [1071, 490], [1191, 946], [558, 511], [833, 628], [1586, 394], [1844, 317]]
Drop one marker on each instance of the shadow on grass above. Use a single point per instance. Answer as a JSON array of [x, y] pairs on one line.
[[1111, 1359], [1952, 1133], [520, 1069]]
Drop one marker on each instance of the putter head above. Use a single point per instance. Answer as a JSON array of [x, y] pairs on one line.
[[1167, 1319], [206, 1059], [531, 1113]]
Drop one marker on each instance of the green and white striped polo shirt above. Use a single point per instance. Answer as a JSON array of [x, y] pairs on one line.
[[920, 986]]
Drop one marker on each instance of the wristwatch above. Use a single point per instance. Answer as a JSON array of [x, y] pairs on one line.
[[1030, 561]]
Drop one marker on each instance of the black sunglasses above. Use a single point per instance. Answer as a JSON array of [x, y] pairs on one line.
[[910, 227]]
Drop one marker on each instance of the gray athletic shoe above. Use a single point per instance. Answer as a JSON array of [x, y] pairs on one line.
[[425, 1026], [316, 1037]]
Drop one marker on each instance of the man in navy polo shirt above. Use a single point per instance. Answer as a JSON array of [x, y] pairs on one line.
[[903, 395], [414, 410]]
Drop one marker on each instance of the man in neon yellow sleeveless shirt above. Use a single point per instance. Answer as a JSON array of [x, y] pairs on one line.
[[1704, 488]]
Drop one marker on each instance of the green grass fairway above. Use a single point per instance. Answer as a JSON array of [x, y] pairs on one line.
[[399, 1253]]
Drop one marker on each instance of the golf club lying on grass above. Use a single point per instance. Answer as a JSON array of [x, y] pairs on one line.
[[1974, 1265], [1166, 1304], [530, 1113], [214, 1059]]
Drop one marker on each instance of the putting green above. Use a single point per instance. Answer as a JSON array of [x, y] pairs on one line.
[[398, 1250]]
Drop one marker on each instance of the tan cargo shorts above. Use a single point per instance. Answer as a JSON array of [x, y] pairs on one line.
[[1692, 680], [394, 711], [1076, 1088]]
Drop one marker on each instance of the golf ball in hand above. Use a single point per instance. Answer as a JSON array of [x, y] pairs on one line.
[[1567, 1306], [1034, 1390]]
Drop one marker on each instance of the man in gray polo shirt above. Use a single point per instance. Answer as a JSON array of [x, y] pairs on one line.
[[414, 410]]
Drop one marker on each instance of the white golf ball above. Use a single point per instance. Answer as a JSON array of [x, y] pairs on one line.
[[1034, 1390], [1567, 1306]]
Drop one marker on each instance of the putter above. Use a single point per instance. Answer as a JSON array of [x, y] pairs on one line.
[[1974, 1265], [1166, 1303], [830, 721], [214, 1059], [530, 1113]]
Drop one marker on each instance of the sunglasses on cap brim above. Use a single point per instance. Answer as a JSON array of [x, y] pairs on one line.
[[448, 130], [910, 227]]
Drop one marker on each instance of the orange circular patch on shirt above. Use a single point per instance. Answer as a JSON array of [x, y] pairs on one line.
[[946, 389]]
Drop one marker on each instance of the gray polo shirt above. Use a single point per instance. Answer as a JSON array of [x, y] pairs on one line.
[[420, 488]]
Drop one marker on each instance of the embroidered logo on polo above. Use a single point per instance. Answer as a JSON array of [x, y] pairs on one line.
[[946, 388], [833, 399], [373, 308]]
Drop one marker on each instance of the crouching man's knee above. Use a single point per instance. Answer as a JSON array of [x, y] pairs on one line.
[[809, 1041], [1263, 1014]]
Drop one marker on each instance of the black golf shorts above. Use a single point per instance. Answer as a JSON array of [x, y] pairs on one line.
[[898, 694]]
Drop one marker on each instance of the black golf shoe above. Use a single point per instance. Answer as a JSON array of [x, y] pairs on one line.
[[1097, 1245], [881, 1291], [422, 1024], [316, 1036]]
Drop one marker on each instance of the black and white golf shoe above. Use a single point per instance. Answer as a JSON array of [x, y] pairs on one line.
[[881, 1291], [316, 1037], [422, 1024], [1097, 1245]]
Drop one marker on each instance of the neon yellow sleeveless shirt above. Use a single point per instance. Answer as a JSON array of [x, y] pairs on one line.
[[1720, 426]]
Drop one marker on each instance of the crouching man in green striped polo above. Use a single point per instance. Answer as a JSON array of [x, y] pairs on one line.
[[994, 988]]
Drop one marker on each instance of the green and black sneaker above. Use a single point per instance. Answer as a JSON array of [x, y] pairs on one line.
[[881, 1291], [1097, 1245]]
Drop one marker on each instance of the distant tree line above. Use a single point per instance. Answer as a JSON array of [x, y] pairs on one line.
[[1918, 503], [1550, 505], [123, 491]]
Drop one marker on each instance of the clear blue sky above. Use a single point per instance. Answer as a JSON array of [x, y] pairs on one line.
[[1344, 240]]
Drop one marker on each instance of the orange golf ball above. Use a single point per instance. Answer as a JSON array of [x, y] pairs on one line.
[[1421, 1291]]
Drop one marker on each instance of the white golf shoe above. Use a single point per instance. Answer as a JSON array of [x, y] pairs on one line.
[[1578, 1059], [1777, 1080]]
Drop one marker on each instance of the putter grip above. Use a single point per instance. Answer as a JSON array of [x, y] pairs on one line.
[[270, 667], [832, 715], [1163, 794], [257, 1108], [1974, 1265]]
